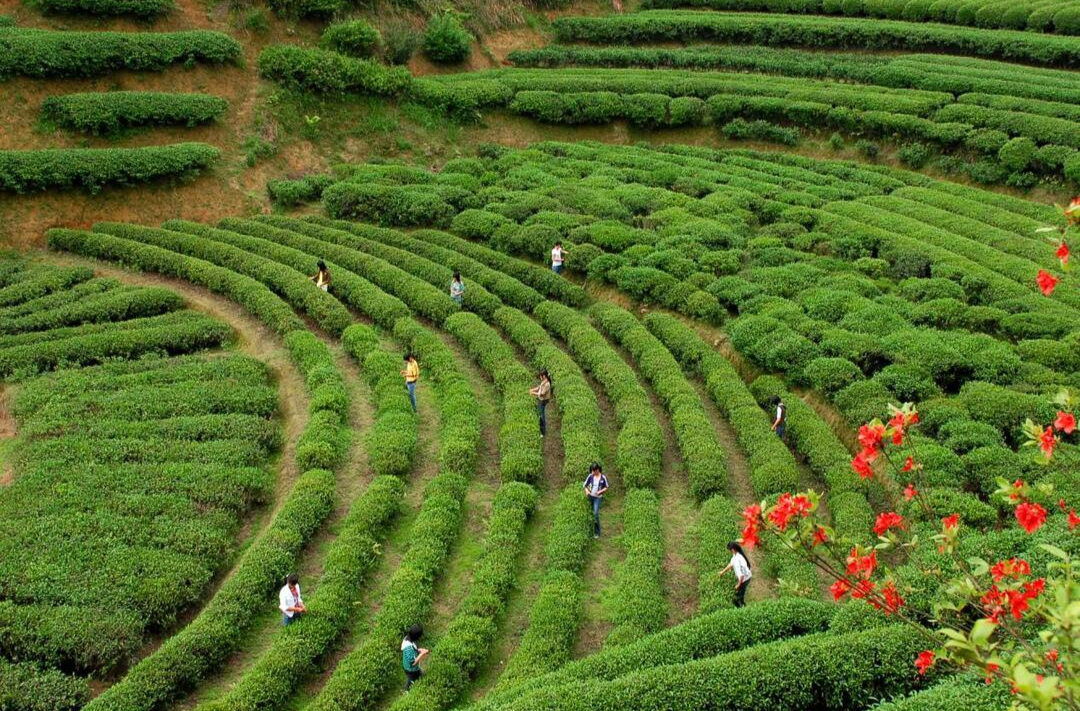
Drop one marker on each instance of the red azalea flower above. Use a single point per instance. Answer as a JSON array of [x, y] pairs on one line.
[[839, 589], [1065, 422], [861, 564], [913, 418], [910, 492], [1012, 567], [1047, 442], [993, 601], [820, 536], [990, 669], [1074, 520], [909, 464], [888, 520], [1061, 505], [1018, 603], [1031, 516], [752, 518], [893, 601], [1052, 656], [781, 513], [1035, 588], [897, 424], [951, 522], [862, 466], [863, 590], [1062, 253], [1047, 282], [870, 436], [924, 661], [801, 505]]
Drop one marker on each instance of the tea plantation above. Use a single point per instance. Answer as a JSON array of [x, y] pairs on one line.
[[797, 271]]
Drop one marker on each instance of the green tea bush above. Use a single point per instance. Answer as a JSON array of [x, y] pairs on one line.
[[356, 38], [64, 54], [109, 112], [27, 687], [324, 72], [91, 169], [446, 41]]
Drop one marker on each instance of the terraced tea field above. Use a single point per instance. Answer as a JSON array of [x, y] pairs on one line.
[[813, 296]]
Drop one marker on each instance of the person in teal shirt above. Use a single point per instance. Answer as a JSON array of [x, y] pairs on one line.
[[412, 654]]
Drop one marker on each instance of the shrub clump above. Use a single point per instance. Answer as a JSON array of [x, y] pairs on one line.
[[446, 41], [355, 38]]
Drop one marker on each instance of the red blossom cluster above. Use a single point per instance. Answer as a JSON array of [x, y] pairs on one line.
[[752, 523], [1030, 516], [787, 508], [886, 521], [1046, 281], [873, 433], [996, 600]]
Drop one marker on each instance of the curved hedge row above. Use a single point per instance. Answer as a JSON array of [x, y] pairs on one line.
[[42, 281], [640, 444], [253, 296], [94, 168], [186, 333], [575, 399], [136, 8], [465, 644], [718, 523], [391, 443], [363, 676], [326, 311], [701, 451], [766, 29], [356, 291], [556, 612], [836, 672], [51, 54], [637, 606], [520, 455], [108, 112], [701, 637], [114, 305], [1059, 16], [296, 650]]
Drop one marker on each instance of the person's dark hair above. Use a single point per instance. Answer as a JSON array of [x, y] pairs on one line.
[[734, 547], [457, 276], [558, 244], [322, 266], [776, 400], [595, 467], [415, 633], [293, 579], [545, 374], [407, 356]]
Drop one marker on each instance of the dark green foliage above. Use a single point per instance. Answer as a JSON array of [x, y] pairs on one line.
[[92, 169], [356, 38], [50, 54], [446, 41], [104, 113], [26, 687], [323, 72]]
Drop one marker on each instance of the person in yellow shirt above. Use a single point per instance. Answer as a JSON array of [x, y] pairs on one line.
[[322, 277], [411, 373]]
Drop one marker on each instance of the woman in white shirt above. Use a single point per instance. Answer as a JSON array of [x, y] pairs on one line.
[[741, 565], [557, 255], [289, 600]]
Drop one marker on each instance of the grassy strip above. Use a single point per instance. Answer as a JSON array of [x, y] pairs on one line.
[[465, 645], [640, 443], [108, 112], [364, 675], [701, 451]]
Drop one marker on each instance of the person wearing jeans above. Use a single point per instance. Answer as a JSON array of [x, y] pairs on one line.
[[542, 392], [289, 601], [412, 654], [557, 256], [595, 486], [411, 372], [780, 422]]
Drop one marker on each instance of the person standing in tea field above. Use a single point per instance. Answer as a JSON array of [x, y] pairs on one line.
[[780, 420], [289, 600], [741, 566], [457, 289], [595, 486], [542, 392], [411, 373], [557, 256], [322, 277], [412, 654]]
